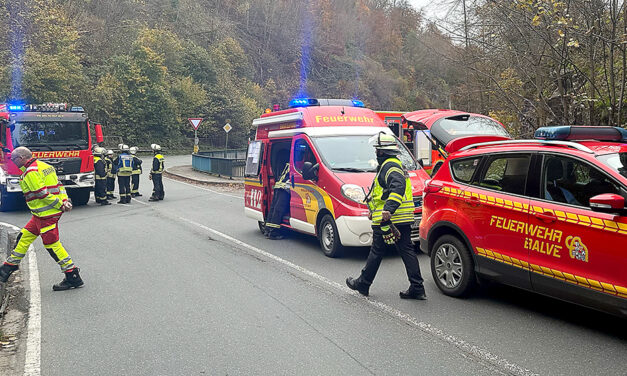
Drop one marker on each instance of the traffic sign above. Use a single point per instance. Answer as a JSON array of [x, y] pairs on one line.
[[195, 122], [227, 128]]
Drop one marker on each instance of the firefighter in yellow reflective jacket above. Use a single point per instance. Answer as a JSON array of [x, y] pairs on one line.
[[137, 171], [156, 174], [47, 200], [391, 205], [280, 204], [124, 167], [111, 172], [100, 169]]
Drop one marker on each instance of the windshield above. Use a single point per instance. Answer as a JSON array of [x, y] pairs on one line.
[[617, 161], [355, 154], [50, 135], [447, 129]]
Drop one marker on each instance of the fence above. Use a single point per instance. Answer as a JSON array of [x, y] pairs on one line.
[[231, 163]]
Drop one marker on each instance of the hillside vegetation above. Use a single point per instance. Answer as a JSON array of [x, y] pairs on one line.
[[142, 67]]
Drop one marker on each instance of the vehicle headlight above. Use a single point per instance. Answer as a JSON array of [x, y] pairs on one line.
[[354, 192]]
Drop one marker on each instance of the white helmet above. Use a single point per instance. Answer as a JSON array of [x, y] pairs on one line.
[[99, 150], [155, 147], [133, 150], [109, 152], [384, 141], [124, 147], [120, 146]]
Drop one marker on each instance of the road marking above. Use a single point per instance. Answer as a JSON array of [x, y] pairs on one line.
[[205, 189], [475, 351], [32, 361]]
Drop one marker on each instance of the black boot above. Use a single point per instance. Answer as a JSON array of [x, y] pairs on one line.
[[72, 280], [128, 199], [104, 202], [413, 294], [354, 284], [6, 270], [153, 198]]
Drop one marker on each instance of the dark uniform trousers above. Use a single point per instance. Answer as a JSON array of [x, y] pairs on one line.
[[124, 185], [110, 185], [280, 205], [134, 184], [405, 249], [100, 189], [157, 183]]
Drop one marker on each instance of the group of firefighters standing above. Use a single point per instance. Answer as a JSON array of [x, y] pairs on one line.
[[127, 167]]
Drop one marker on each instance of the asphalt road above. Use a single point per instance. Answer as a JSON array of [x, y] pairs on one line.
[[189, 286]]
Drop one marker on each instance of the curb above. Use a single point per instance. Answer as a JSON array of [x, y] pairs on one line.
[[7, 239], [230, 183]]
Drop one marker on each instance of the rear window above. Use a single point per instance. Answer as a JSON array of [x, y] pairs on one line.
[[448, 129], [464, 169]]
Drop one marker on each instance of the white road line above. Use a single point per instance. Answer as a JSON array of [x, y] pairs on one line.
[[32, 361], [205, 189], [476, 351]]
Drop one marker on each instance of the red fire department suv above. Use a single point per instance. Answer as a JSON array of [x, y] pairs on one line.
[[546, 215]]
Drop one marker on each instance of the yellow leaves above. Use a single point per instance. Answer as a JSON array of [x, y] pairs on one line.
[[560, 32], [536, 20], [573, 43]]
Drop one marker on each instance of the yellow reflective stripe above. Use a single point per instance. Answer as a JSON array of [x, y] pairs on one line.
[[400, 201], [393, 169], [48, 228]]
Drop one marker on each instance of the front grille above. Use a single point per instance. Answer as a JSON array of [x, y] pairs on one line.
[[65, 166], [415, 227]]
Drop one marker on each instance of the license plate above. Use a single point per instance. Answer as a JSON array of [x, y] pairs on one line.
[[61, 177]]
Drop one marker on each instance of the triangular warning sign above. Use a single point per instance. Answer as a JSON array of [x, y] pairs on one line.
[[195, 122]]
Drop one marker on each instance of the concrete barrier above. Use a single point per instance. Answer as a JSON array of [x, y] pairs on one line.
[[8, 235]]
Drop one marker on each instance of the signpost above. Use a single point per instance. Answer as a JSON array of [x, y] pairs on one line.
[[195, 122], [227, 128]]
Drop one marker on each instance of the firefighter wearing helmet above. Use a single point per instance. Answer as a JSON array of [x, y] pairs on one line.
[[137, 170], [111, 172], [100, 169], [391, 205], [124, 166], [156, 174]]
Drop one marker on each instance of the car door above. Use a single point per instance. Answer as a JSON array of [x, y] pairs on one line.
[[575, 252], [305, 198], [495, 207]]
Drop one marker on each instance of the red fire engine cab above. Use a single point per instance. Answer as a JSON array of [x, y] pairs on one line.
[[57, 134], [332, 165]]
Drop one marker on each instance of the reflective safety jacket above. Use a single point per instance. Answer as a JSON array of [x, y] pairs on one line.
[[283, 181], [100, 168], [391, 191], [43, 193], [124, 164], [111, 171], [137, 166], [158, 164]]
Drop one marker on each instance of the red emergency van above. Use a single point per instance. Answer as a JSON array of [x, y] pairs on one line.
[[332, 166]]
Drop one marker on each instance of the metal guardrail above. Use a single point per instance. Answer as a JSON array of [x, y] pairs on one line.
[[231, 163]]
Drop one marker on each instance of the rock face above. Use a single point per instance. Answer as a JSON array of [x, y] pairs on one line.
[[13, 309]]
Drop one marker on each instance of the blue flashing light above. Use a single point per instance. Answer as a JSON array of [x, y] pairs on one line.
[[303, 102], [574, 133], [16, 107], [358, 103]]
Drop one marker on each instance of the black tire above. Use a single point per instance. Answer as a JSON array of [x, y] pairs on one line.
[[8, 201], [329, 237], [452, 266], [79, 196], [262, 227]]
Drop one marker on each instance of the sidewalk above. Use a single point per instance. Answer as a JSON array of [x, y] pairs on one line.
[[187, 173]]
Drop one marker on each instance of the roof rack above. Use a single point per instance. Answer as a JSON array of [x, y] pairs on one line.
[[567, 144]]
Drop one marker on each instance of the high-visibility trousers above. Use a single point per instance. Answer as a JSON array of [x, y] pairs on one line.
[[48, 229]]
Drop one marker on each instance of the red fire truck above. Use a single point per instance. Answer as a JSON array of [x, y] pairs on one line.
[[56, 133]]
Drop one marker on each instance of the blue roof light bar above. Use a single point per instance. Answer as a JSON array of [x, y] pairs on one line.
[[572, 133], [16, 107]]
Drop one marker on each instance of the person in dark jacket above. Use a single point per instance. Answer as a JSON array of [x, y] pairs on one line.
[[391, 205], [156, 174], [100, 169], [111, 172], [137, 171]]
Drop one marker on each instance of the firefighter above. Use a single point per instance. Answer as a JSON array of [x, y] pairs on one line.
[[280, 204], [100, 189], [111, 171], [47, 200], [124, 167], [391, 205], [156, 174], [137, 170]]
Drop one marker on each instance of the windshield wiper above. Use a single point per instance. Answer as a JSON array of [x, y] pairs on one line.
[[38, 147], [349, 169]]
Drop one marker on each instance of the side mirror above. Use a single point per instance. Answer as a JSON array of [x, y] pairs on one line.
[[99, 134], [608, 203], [310, 171]]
